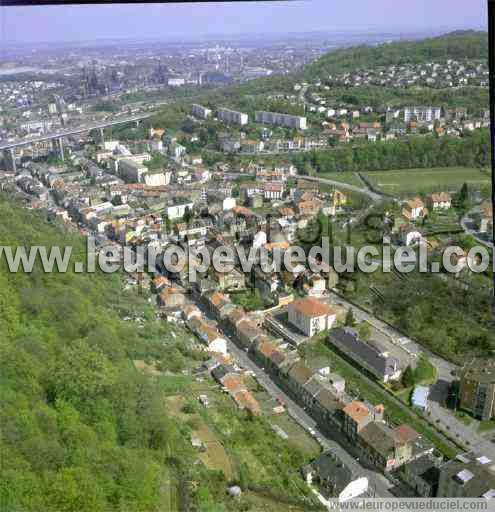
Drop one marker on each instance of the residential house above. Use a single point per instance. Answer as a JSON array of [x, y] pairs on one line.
[[422, 475], [419, 398], [377, 445], [370, 357], [177, 211], [217, 302], [486, 225], [246, 401], [190, 311], [477, 388], [249, 189], [298, 376], [172, 298], [159, 282], [334, 477], [404, 439], [264, 349], [273, 191], [356, 416], [247, 332], [328, 408], [232, 280], [414, 209], [338, 198], [409, 235], [315, 285], [266, 282], [440, 201], [311, 316], [209, 335], [309, 208]]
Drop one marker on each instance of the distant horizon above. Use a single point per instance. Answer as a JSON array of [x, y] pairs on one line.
[[80, 24], [275, 36]]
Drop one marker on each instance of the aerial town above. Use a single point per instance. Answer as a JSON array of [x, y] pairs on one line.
[[149, 148]]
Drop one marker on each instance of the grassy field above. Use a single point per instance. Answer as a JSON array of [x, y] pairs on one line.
[[412, 181], [215, 457], [297, 436], [344, 177], [486, 426]]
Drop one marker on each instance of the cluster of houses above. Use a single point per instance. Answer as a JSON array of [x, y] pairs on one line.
[[345, 122], [414, 211], [344, 125], [441, 74], [468, 475], [321, 392]]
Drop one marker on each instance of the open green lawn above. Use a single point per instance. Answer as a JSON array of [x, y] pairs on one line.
[[412, 181], [344, 177], [297, 436], [486, 425]]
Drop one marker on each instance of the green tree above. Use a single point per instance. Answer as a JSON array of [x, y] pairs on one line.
[[364, 331], [349, 318], [408, 378], [117, 200]]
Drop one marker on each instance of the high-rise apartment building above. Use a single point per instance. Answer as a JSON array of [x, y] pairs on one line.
[[285, 120], [231, 116]]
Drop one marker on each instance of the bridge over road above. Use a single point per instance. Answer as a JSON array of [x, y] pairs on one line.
[[9, 147]]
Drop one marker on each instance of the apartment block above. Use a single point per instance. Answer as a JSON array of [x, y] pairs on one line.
[[285, 120], [232, 117], [200, 112], [477, 388], [422, 114]]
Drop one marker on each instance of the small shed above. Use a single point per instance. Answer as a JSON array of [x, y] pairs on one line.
[[420, 397]]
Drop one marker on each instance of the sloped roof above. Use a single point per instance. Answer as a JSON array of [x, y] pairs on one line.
[[356, 410], [309, 306]]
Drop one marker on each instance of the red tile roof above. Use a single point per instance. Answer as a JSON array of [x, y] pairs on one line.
[[309, 306]]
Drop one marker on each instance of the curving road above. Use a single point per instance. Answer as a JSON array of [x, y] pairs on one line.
[[346, 186], [467, 225]]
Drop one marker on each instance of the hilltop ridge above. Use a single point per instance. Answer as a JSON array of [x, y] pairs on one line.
[[468, 44]]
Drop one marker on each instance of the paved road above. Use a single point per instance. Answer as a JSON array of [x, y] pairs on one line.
[[467, 225], [446, 372], [72, 131], [377, 480], [345, 186], [467, 435]]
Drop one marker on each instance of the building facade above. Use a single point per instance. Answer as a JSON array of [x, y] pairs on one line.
[[285, 120], [200, 112], [231, 116], [477, 388], [311, 316]]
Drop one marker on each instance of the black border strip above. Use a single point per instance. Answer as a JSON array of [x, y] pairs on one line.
[[491, 57]]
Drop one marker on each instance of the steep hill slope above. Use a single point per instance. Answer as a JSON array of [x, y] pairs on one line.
[[456, 45], [81, 428]]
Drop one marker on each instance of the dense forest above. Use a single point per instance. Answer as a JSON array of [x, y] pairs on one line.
[[472, 150], [456, 45], [82, 430]]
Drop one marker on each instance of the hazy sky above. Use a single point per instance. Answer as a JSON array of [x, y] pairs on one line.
[[82, 23]]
